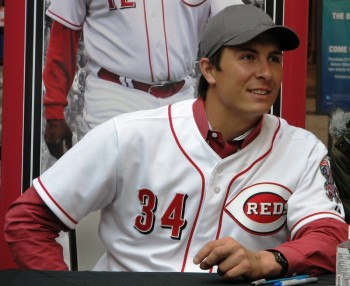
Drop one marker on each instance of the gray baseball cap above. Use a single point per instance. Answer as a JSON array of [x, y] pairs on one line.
[[238, 24]]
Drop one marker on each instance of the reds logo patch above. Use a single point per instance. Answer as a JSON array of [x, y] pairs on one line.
[[329, 185], [261, 208]]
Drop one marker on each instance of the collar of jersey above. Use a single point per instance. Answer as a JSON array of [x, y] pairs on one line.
[[203, 125]]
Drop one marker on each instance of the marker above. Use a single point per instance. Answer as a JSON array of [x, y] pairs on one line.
[[296, 281], [264, 281]]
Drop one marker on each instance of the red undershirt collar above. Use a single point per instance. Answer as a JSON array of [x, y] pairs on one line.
[[214, 137]]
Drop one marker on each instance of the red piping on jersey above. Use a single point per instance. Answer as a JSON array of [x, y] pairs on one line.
[[64, 20], [314, 214], [54, 201], [243, 172], [202, 190], [149, 52], [166, 41], [192, 5]]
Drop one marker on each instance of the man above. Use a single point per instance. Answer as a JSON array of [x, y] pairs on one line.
[[141, 55], [213, 183]]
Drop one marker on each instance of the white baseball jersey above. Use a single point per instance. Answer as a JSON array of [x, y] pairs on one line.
[[148, 41], [164, 192]]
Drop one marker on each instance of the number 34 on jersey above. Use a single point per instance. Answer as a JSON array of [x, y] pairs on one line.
[[172, 218]]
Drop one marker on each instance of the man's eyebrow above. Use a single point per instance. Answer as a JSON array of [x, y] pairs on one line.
[[252, 50], [246, 49], [277, 52]]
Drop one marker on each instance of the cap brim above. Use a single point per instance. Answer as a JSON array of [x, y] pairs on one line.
[[287, 38]]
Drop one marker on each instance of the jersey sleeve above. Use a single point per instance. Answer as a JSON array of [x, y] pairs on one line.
[[28, 217], [316, 196], [84, 179], [59, 69], [69, 13], [314, 244]]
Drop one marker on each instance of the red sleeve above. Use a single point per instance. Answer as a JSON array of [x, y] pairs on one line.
[[30, 231], [59, 70], [313, 250]]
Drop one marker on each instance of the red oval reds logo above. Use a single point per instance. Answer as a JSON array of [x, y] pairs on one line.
[[260, 208], [265, 207]]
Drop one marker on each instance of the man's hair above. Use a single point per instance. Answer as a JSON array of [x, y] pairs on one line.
[[203, 85]]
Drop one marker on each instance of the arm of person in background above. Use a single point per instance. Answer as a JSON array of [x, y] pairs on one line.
[[312, 251], [339, 129], [58, 76], [31, 229], [340, 164]]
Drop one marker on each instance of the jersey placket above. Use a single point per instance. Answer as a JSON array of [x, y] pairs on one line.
[[157, 40]]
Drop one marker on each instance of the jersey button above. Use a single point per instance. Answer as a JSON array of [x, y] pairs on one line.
[[216, 190]]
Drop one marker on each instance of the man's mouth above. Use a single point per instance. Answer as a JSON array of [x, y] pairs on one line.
[[259, 91]]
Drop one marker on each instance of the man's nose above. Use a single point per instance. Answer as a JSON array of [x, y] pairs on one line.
[[263, 70]]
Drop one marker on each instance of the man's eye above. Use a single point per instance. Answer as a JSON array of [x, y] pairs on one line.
[[247, 57], [276, 59]]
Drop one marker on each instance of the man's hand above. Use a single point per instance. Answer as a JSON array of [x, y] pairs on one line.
[[233, 260], [57, 132]]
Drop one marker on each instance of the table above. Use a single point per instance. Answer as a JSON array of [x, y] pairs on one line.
[[15, 277]]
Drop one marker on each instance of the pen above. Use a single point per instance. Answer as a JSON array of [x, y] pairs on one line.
[[264, 281], [296, 281]]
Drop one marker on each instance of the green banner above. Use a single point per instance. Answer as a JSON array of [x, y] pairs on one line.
[[335, 56]]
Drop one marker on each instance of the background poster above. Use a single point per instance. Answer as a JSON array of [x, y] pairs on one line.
[[334, 89]]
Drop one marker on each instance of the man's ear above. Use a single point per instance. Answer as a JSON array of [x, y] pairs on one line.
[[207, 70]]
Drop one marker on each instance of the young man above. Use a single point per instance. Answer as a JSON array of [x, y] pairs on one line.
[[213, 183]]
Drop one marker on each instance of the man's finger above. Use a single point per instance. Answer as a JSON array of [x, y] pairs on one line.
[[203, 253]]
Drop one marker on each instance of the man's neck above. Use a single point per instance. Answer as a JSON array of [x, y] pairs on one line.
[[229, 124]]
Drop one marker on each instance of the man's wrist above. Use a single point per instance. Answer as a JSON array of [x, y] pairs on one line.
[[54, 112], [281, 260]]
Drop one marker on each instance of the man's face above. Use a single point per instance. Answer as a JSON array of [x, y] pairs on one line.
[[250, 77]]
